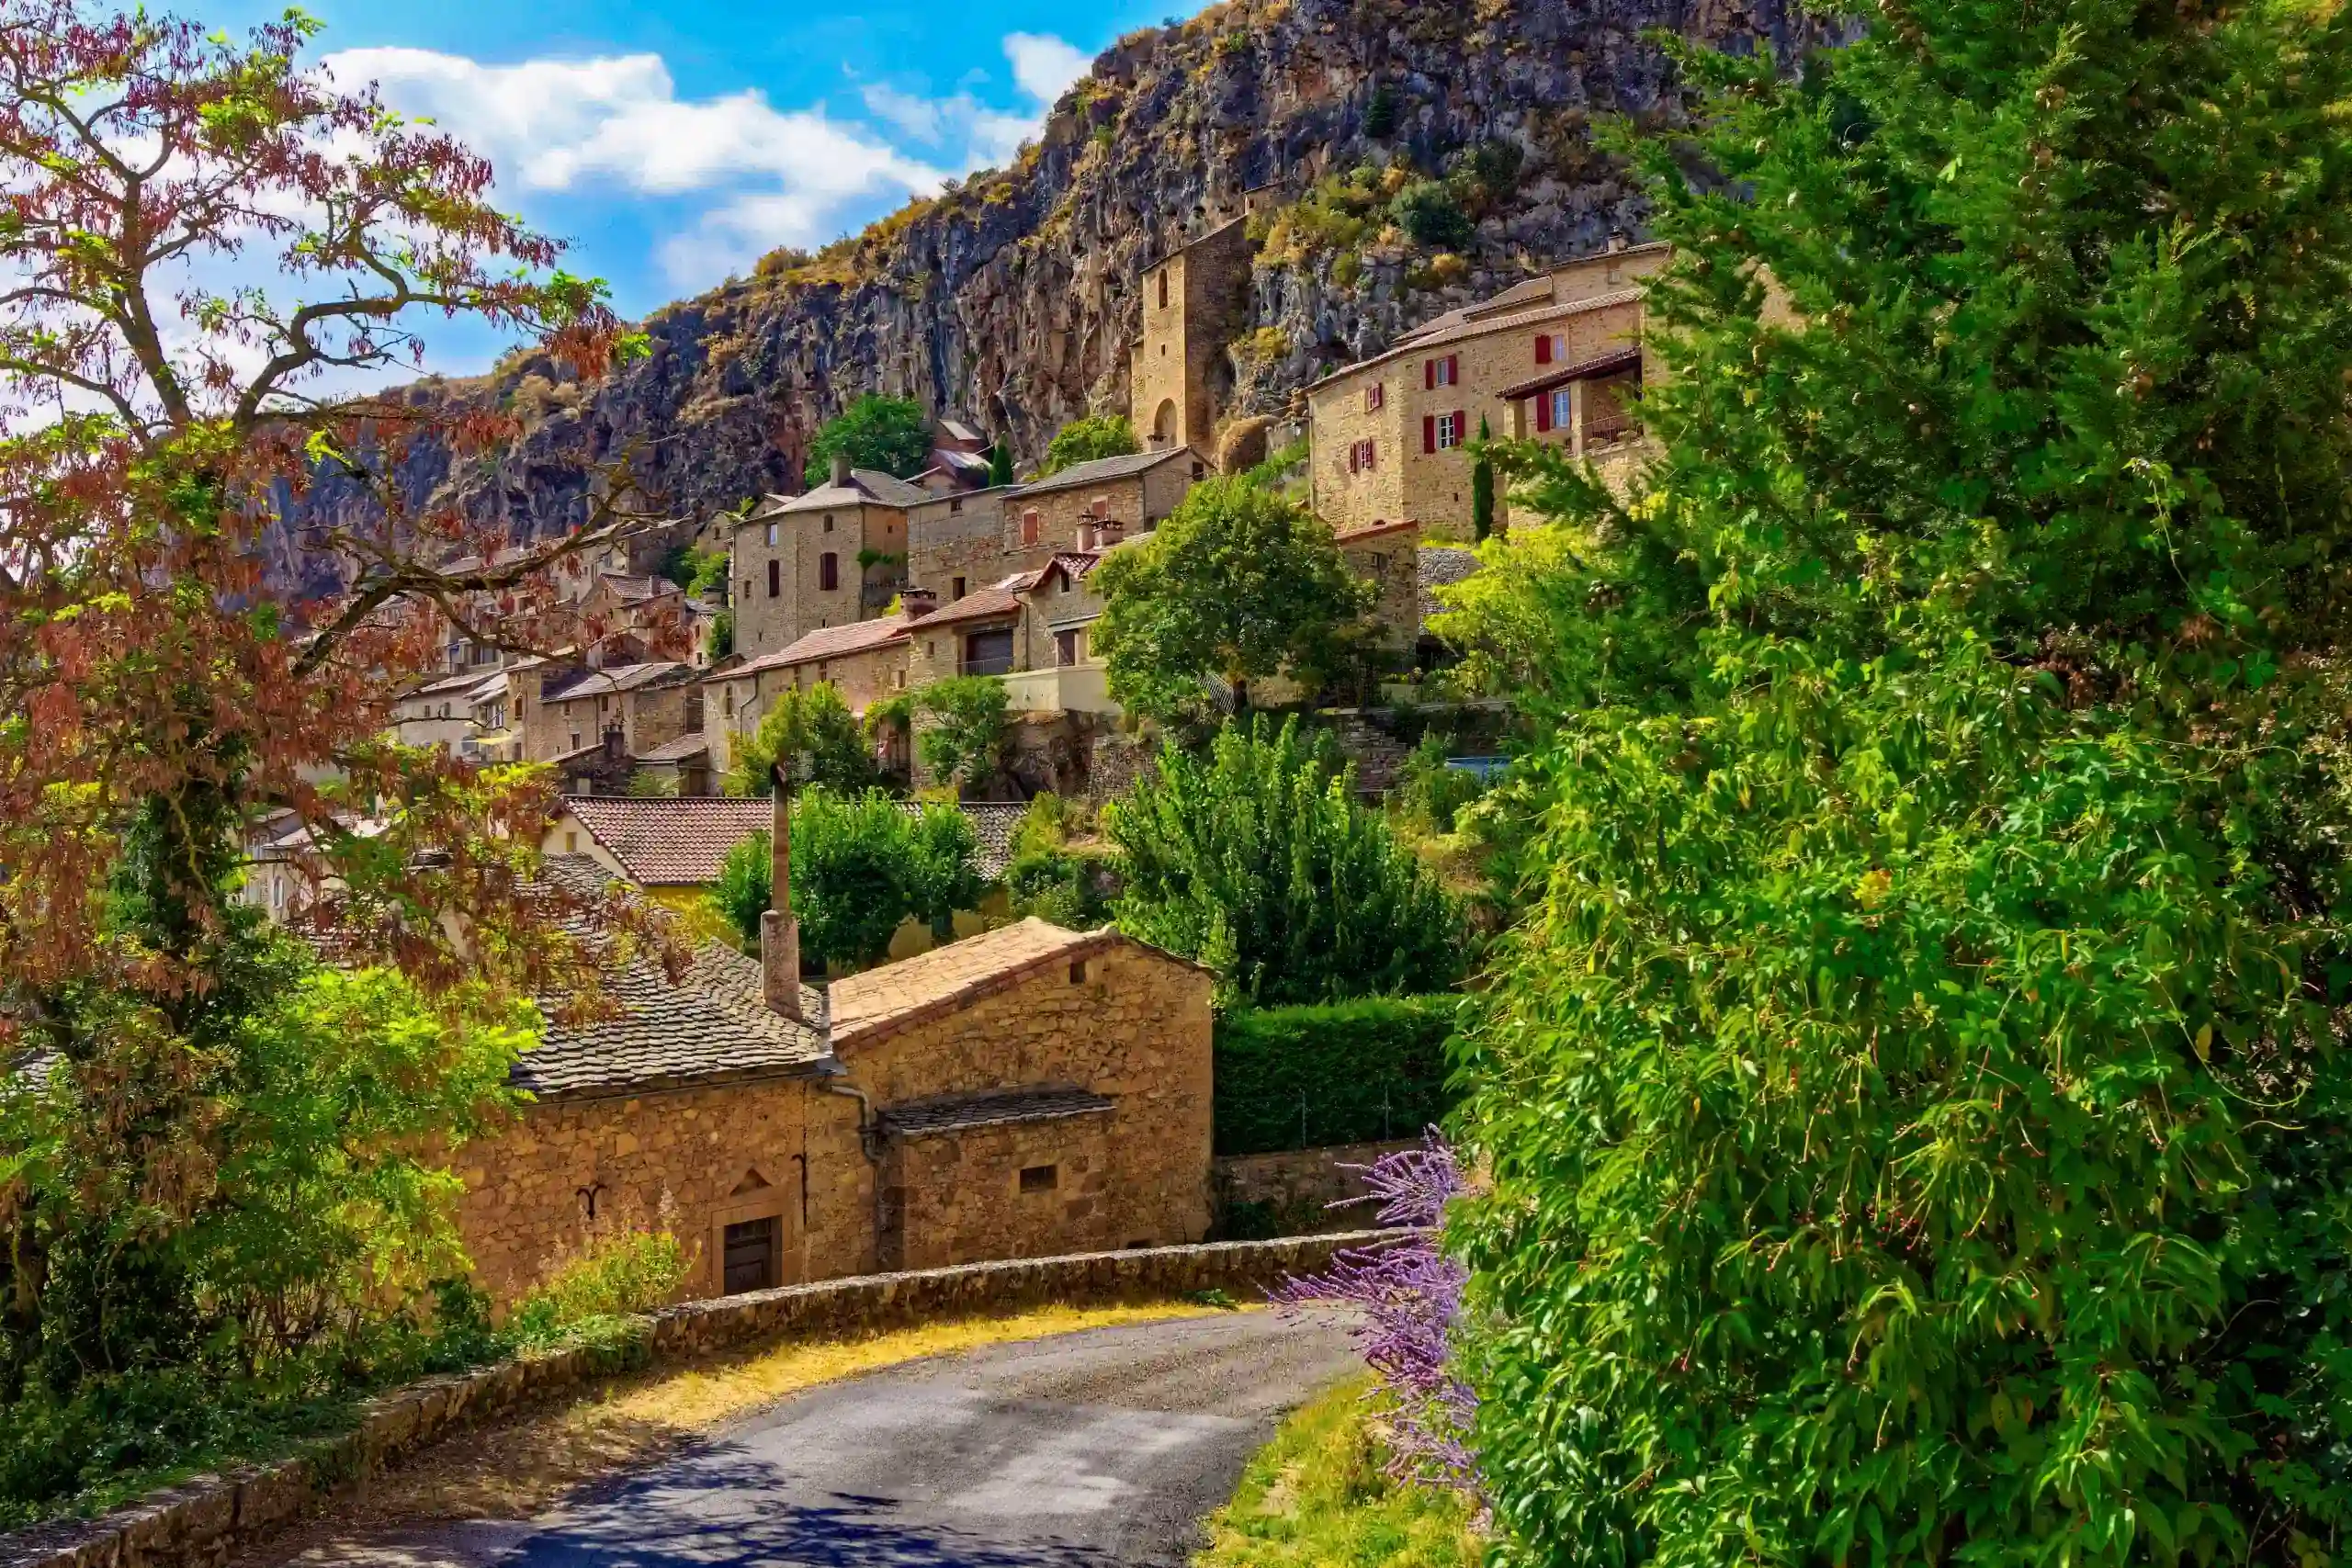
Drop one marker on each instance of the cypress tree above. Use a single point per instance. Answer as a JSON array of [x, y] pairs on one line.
[[1482, 485]]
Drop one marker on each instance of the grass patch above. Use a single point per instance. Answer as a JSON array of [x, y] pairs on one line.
[[1317, 1497]]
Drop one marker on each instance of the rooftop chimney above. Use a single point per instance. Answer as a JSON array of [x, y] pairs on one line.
[[918, 602], [841, 468], [779, 933]]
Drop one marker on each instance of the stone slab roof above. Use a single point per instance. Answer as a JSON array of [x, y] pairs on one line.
[[685, 747], [621, 678], [981, 604], [865, 485], [958, 1114], [882, 1001], [712, 1025], [1437, 336], [1103, 470], [1355, 537], [1441, 567], [682, 842]]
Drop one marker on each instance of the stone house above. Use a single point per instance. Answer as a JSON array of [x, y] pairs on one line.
[[1026, 1091], [438, 713], [1388, 434], [833, 556], [1388, 556], [955, 542], [562, 711], [865, 660], [1195, 303], [636, 619], [1091, 505]]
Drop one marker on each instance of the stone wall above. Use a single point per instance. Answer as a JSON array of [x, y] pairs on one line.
[[1194, 304], [1134, 1025], [1390, 560], [797, 542], [961, 1195], [206, 1522], [1298, 1189], [958, 537], [710, 1156]]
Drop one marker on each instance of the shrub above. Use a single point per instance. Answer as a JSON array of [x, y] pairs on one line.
[[862, 866], [1259, 861], [1357, 1072], [1427, 211], [816, 734], [1380, 114], [889, 433], [619, 1268], [1084, 440], [963, 744]]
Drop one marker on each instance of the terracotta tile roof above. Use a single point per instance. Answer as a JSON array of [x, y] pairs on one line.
[[978, 605], [712, 1025], [682, 842], [1355, 537], [827, 642], [896, 996], [670, 843], [1441, 567], [914, 1119], [1103, 470], [1610, 364]]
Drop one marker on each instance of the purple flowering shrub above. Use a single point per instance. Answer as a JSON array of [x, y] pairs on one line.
[[1410, 1296]]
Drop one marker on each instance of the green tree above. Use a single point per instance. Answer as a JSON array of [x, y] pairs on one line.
[[815, 732], [1240, 583], [875, 431], [1000, 464], [1428, 212], [862, 866], [961, 739], [1258, 861], [1482, 485], [1901, 1104], [1084, 440]]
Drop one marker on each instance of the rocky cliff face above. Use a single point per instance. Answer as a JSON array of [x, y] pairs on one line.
[[1010, 302]]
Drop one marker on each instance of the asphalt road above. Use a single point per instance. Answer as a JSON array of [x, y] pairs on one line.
[[1098, 1449]]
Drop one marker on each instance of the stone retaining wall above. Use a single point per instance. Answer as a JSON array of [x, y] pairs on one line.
[[1295, 1189], [205, 1521]]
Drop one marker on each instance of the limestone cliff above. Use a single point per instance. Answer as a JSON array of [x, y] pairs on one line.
[[1010, 300]]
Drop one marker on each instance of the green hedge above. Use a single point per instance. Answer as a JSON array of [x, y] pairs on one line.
[[1349, 1073]]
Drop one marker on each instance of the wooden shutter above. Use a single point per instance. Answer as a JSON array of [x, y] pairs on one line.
[[1461, 428], [1543, 349], [1429, 433], [1542, 412], [1453, 370], [1429, 375]]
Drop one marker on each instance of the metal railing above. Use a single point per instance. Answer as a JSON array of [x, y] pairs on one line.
[[1000, 665]]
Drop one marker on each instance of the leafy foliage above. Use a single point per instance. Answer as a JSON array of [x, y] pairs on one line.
[[862, 866], [1047, 876], [815, 733], [1240, 583], [1428, 211], [1354, 1072], [1910, 1104], [1482, 485], [1001, 464], [621, 1266], [961, 739], [1084, 439], [892, 435], [1257, 861]]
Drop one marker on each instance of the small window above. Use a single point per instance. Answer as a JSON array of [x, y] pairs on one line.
[[1449, 432], [570, 841], [749, 1255], [576, 740], [1374, 397], [1065, 649], [956, 504], [1379, 563], [1163, 294], [1040, 1178], [771, 534], [958, 592], [829, 571], [776, 579], [1078, 971], [1444, 372], [1032, 526], [1363, 457], [1563, 412]]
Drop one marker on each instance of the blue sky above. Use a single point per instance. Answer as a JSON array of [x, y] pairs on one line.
[[675, 143]]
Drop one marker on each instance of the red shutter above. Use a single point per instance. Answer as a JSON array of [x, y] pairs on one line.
[[1429, 433], [1453, 370], [1542, 412], [1429, 375], [1461, 428], [1543, 349], [1355, 454]]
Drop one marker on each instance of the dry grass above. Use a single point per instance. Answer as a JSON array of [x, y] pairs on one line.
[[517, 1469]]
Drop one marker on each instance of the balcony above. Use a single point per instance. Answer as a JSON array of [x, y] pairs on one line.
[[1072, 688], [992, 664]]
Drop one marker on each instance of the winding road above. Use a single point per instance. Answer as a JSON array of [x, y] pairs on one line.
[[1101, 1448]]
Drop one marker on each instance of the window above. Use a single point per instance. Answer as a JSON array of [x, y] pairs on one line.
[[1362, 457], [1376, 397], [277, 892], [749, 1255], [1163, 294], [898, 680], [1442, 431], [1551, 346], [988, 653], [1065, 649], [829, 522], [576, 740], [727, 701], [958, 592], [776, 579], [570, 841], [1078, 971], [1444, 371], [1032, 526], [771, 534], [829, 571], [1379, 563], [954, 503], [1039, 1178]]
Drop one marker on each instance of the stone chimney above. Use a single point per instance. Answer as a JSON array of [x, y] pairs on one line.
[[616, 743], [779, 933], [1108, 533], [841, 468], [1086, 534], [918, 602]]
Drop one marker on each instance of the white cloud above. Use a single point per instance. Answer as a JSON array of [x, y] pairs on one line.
[[1045, 65], [790, 176]]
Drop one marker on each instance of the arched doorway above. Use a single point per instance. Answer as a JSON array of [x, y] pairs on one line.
[[1163, 424]]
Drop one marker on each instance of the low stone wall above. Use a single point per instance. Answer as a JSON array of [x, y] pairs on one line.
[[207, 1520], [1295, 1190]]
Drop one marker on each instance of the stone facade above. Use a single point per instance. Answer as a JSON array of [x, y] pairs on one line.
[[1195, 303], [957, 543], [1389, 435], [1101, 501], [1303, 1192], [796, 563], [710, 1156], [650, 704], [1389, 558]]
